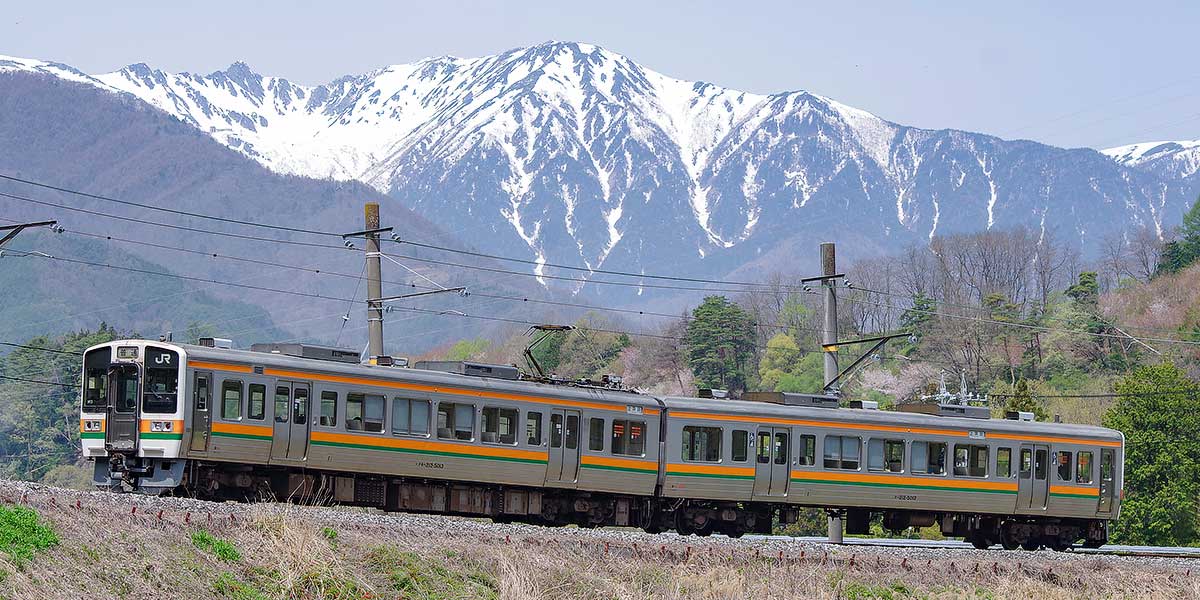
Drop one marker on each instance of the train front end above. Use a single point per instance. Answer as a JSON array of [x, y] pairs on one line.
[[131, 415]]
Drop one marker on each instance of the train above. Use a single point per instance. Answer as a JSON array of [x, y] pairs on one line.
[[305, 423]]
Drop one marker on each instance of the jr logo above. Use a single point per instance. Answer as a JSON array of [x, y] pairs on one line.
[[163, 359]]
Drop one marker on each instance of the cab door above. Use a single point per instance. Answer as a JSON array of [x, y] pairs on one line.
[[562, 469], [122, 427], [1033, 487], [201, 417], [772, 461], [1107, 480]]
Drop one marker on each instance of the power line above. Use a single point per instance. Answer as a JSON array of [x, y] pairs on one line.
[[39, 382], [168, 210], [42, 349]]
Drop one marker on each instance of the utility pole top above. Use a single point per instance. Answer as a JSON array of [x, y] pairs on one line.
[[13, 230], [372, 213]]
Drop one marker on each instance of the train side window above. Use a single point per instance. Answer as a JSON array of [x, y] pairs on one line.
[[764, 447], [257, 403], [1026, 463], [231, 400], [456, 421], [1083, 467], [499, 425], [929, 458], [1106, 465], [596, 434], [702, 444], [782, 448], [556, 431], [282, 393], [354, 412], [970, 461], [328, 409], [533, 428], [1064, 466], [885, 455], [808, 450], [629, 437], [300, 406], [410, 417], [1040, 465], [1004, 462], [842, 452], [571, 434], [739, 445]]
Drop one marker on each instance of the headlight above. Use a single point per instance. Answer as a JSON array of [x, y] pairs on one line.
[[166, 426], [156, 426]]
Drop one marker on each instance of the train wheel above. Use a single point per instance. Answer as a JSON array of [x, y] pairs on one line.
[[1031, 544], [980, 542]]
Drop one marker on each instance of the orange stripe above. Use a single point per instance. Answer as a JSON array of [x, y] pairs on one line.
[[416, 387], [872, 427], [439, 446], [1075, 491], [709, 469], [625, 463], [176, 426], [243, 429], [900, 480]]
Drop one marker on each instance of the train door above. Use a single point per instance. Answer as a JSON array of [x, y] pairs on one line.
[[1033, 487], [562, 470], [291, 410], [201, 417], [122, 420], [298, 437], [772, 452], [1107, 479]]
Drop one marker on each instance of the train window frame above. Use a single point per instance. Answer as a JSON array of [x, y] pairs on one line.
[[596, 434], [533, 429], [1081, 464], [971, 465], [1059, 463], [410, 415], [454, 411], [837, 459], [281, 403], [743, 447], [1025, 464], [499, 413], [881, 448], [261, 389], [925, 453], [228, 385], [95, 394], [690, 440], [623, 431], [332, 417], [808, 450], [1008, 472]]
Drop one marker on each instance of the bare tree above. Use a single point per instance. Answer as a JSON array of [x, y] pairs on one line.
[[1145, 252]]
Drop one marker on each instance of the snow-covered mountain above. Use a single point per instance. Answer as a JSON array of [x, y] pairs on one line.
[[567, 152], [1172, 159]]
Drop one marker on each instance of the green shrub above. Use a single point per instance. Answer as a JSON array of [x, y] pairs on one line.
[[22, 533], [222, 549]]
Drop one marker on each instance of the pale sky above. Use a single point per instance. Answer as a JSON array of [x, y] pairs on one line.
[[1095, 74]]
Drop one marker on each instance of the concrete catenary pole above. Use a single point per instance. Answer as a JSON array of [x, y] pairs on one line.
[[374, 285], [829, 341]]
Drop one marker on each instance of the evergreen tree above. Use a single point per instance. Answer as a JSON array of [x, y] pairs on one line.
[[919, 319], [1157, 413], [1022, 400], [720, 344]]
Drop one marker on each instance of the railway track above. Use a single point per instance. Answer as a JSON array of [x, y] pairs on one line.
[[1108, 550]]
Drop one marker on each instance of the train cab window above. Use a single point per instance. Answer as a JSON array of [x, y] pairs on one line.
[[702, 444], [1064, 466], [970, 461], [929, 458], [456, 421], [328, 409], [1083, 467], [596, 434], [499, 425], [410, 417], [885, 455], [740, 443], [533, 428], [808, 450], [629, 437], [159, 395], [231, 400], [256, 405], [842, 452], [1004, 462], [282, 397], [1026, 463], [95, 398]]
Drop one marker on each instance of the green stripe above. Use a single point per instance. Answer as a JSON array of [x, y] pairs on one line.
[[245, 436], [156, 435], [715, 475], [91, 435], [904, 485], [434, 452], [1076, 496], [626, 469]]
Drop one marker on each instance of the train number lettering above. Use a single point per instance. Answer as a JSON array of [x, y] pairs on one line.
[[906, 497], [431, 465]]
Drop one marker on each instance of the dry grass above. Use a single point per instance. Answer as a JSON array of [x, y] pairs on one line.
[[294, 552]]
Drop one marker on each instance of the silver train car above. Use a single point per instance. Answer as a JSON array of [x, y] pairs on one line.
[[311, 424]]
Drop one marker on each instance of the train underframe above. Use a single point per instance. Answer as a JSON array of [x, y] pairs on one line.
[[561, 506]]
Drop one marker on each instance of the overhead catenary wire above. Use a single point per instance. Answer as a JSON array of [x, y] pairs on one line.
[[39, 382]]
